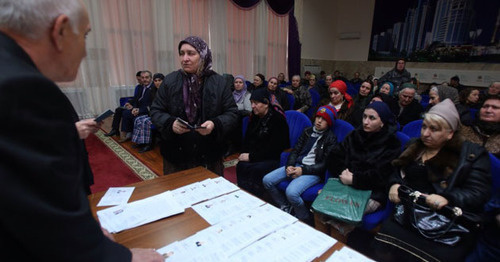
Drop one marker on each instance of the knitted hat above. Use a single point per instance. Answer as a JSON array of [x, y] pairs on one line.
[[447, 110], [260, 95], [328, 113], [342, 87], [383, 111]]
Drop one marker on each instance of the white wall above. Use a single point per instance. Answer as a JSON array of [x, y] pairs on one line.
[[322, 21]]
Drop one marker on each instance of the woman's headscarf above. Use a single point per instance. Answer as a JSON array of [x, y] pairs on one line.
[[391, 91], [342, 87], [447, 92], [192, 87], [238, 95]]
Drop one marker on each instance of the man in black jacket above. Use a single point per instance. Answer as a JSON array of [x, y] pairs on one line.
[[45, 211]]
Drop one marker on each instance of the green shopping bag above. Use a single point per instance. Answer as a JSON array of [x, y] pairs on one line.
[[341, 202]]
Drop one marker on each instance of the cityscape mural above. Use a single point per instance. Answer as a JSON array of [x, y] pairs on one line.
[[436, 30]]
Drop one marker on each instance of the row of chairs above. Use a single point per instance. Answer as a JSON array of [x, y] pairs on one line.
[[297, 122]]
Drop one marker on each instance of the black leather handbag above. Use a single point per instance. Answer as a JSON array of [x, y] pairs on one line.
[[445, 226]]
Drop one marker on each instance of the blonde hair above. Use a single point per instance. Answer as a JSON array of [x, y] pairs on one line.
[[438, 120]]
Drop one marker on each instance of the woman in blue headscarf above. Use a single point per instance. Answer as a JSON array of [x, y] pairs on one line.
[[193, 111]]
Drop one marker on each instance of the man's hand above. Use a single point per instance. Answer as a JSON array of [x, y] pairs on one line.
[[294, 172], [208, 127], [107, 234], [86, 127], [146, 255]]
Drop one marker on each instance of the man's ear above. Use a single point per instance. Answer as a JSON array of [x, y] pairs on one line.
[[59, 31]]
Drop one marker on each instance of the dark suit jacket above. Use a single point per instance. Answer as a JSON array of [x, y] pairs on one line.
[[45, 214], [143, 102]]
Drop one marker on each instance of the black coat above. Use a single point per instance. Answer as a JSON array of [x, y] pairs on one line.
[[266, 137], [217, 105], [368, 156], [323, 148], [45, 212], [411, 112], [462, 166]]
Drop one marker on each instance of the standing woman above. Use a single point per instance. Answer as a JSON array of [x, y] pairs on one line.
[[197, 95], [363, 160], [340, 99], [398, 75], [447, 170]]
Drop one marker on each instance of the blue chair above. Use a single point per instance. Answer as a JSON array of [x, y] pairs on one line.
[[125, 99], [350, 89], [425, 100], [341, 129], [473, 113], [495, 172], [244, 125], [248, 83], [291, 100], [370, 221], [413, 128], [297, 121], [403, 138], [315, 101]]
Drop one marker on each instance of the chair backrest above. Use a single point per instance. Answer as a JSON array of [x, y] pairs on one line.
[[413, 128], [495, 172], [403, 138], [424, 101], [341, 129], [291, 100], [244, 125], [125, 99], [315, 97], [297, 121], [473, 113]]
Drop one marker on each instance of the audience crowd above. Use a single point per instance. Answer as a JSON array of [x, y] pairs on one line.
[[455, 119]]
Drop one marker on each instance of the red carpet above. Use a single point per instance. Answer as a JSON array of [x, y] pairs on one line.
[[230, 174], [108, 169]]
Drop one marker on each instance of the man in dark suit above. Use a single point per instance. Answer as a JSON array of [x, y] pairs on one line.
[[138, 105], [45, 212]]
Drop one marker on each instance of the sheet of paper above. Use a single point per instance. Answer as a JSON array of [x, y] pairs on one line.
[[200, 191], [217, 209], [116, 196], [139, 212], [348, 255]]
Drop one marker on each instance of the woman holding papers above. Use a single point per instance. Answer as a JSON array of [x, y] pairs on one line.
[[197, 96]]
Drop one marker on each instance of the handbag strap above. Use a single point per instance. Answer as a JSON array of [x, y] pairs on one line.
[[450, 225]]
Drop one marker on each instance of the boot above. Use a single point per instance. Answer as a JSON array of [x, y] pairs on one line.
[[113, 132]]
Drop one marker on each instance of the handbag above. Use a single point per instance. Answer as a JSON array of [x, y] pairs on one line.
[[446, 226], [341, 202]]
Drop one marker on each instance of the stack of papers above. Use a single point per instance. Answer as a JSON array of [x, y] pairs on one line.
[[116, 196], [204, 190], [262, 231], [137, 213]]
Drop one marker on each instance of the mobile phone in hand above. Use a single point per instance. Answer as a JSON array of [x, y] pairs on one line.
[[103, 116]]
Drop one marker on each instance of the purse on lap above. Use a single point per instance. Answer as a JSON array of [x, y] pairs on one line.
[[446, 226], [341, 202]]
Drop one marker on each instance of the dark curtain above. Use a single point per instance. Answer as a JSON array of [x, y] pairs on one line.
[[294, 46], [280, 7]]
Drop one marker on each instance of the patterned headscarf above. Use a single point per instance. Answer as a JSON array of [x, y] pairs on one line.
[[192, 83], [238, 95]]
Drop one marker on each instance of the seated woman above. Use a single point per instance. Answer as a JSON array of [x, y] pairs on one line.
[[387, 88], [302, 96], [440, 93], [362, 99], [449, 171], [142, 135], [340, 99], [468, 99], [258, 82], [266, 137], [242, 98], [485, 130], [306, 164], [277, 96], [388, 100], [363, 159]]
